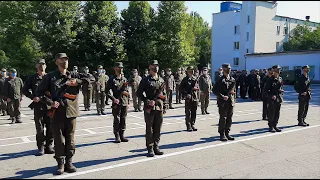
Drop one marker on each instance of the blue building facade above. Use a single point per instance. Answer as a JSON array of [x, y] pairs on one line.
[[230, 6]]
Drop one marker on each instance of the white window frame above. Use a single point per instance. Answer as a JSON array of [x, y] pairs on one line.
[[278, 30], [236, 45], [236, 59]]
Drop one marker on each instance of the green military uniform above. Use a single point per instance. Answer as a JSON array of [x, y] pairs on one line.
[[100, 90], [87, 81], [41, 118], [178, 78], [264, 96], [170, 86], [3, 98], [134, 82], [243, 82], [146, 73], [120, 91], [162, 75], [94, 88], [303, 86], [189, 87], [154, 88], [64, 119], [224, 86], [274, 87], [205, 86], [13, 91]]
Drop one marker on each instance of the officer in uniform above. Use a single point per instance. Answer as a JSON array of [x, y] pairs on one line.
[[205, 86], [226, 97], [107, 98], [134, 82], [41, 118], [251, 84], [87, 81], [155, 105], [146, 73], [178, 78], [13, 92], [243, 80], [189, 87], [75, 70], [3, 99], [218, 74], [256, 86], [163, 74], [303, 88], [94, 87], [274, 89], [101, 82], [60, 90], [265, 95], [170, 86], [120, 101]]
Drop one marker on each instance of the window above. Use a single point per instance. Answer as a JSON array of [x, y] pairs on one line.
[[277, 46], [237, 29], [278, 30], [285, 68], [247, 36], [247, 50], [248, 20], [235, 61], [236, 45], [285, 30]]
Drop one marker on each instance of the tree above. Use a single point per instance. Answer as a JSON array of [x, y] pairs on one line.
[[139, 43]]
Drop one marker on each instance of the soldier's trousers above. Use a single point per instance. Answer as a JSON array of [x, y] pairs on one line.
[[119, 118], [153, 121], [87, 95], [136, 100], [14, 108], [204, 98], [63, 129], [273, 113], [225, 120], [191, 112], [303, 108], [94, 95], [178, 94], [169, 97], [264, 107], [243, 91], [42, 120], [237, 87], [3, 105], [100, 101]]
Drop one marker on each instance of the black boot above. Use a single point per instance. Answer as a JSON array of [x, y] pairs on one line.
[[103, 113], [18, 120], [203, 112], [301, 123], [41, 150], [122, 138], [228, 136], [189, 128], [13, 120], [117, 138], [271, 129], [69, 166], [157, 150], [194, 128], [223, 137], [305, 122], [99, 113], [49, 149], [60, 169], [150, 151], [277, 129], [207, 111]]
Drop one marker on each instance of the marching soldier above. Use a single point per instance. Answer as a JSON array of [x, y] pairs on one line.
[[265, 95], [107, 98], [205, 86], [170, 85], [75, 70], [13, 92], [101, 82], [218, 74], [274, 89], [3, 99], [226, 97], [303, 88], [134, 82], [162, 74], [63, 89], [121, 101], [197, 75], [178, 78], [41, 118], [146, 73], [155, 105], [87, 81], [189, 87], [243, 80], [94, 87]]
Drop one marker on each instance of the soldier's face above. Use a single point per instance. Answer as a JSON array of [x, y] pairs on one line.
[[277, 71], [190, 72], [41, 67], [118, 70], [169, 72], [154, 68], [63, 63], [307, 70], [270, 72], [227, 70], [4, 74]]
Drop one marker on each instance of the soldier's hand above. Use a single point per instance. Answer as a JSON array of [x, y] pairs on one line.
[[304, 93], [36, 99], [116, 101], [55, 104], [225, 98], [273, 97], [152, 103], [8, 100]]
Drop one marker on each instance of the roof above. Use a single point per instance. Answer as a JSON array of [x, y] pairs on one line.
[[296, 19], [285, 52]]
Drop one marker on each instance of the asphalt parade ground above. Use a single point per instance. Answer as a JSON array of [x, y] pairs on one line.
[[255, 153]]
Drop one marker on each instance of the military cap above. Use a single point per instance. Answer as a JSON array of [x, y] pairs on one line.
[[94, 72], [41, 61], [276, 67], [226, 65], [190, 68], [61, 55], [256, 70], [3, 70], [134, 70], [86, 67], [13, 70], [100, 67], [154, 62], [205, 68], [269, 69], [168, 69], [306, 66], [162, 70], [118, 64]]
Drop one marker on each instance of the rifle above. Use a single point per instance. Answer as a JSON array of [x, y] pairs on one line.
[[123, 92], [159, 95], [63, 87]]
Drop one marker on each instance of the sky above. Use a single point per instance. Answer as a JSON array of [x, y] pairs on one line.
[[293, 9]]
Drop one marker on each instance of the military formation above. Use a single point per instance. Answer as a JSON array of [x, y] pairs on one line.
[[55, 97]]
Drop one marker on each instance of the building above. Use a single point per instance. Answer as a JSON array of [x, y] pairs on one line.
[[287, 60], [250, 27]]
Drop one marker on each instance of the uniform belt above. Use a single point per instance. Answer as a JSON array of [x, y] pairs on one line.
[[70, 96]]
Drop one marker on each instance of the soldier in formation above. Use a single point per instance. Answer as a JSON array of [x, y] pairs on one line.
[[170, 86], [264, 95], [60, 90], [120, 97], [243, 81], [134, 82], [224, 89], [155, 105], [162, 74], [101, 82], [146, 73], [205, 86], [107, 98], [3, 99], [87, 87], [94, 87], [178, 78]]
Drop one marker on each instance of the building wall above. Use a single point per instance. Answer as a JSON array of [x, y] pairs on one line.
[[286, 59]]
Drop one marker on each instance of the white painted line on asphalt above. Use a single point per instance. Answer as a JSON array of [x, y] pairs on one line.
[[89, 131], [138, 124], [25, 139], [5, 125], [177, 153], [135, 116]]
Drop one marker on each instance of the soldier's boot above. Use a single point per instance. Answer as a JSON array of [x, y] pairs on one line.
[[228, 136], [18, 120], [203, 111], [60, 169], [157, 150], [103, 113], [305, 122], [98, 112], [69, 166], [271, 129], [170, 106], [117, 138], [301, 123], [136, 110], [194, 128], [150, 151], [206, 110], [41, 150], [13, 120], [122, 138], [49, 149], [88, 108], [277, 129], [223, 137], [189, 128]]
